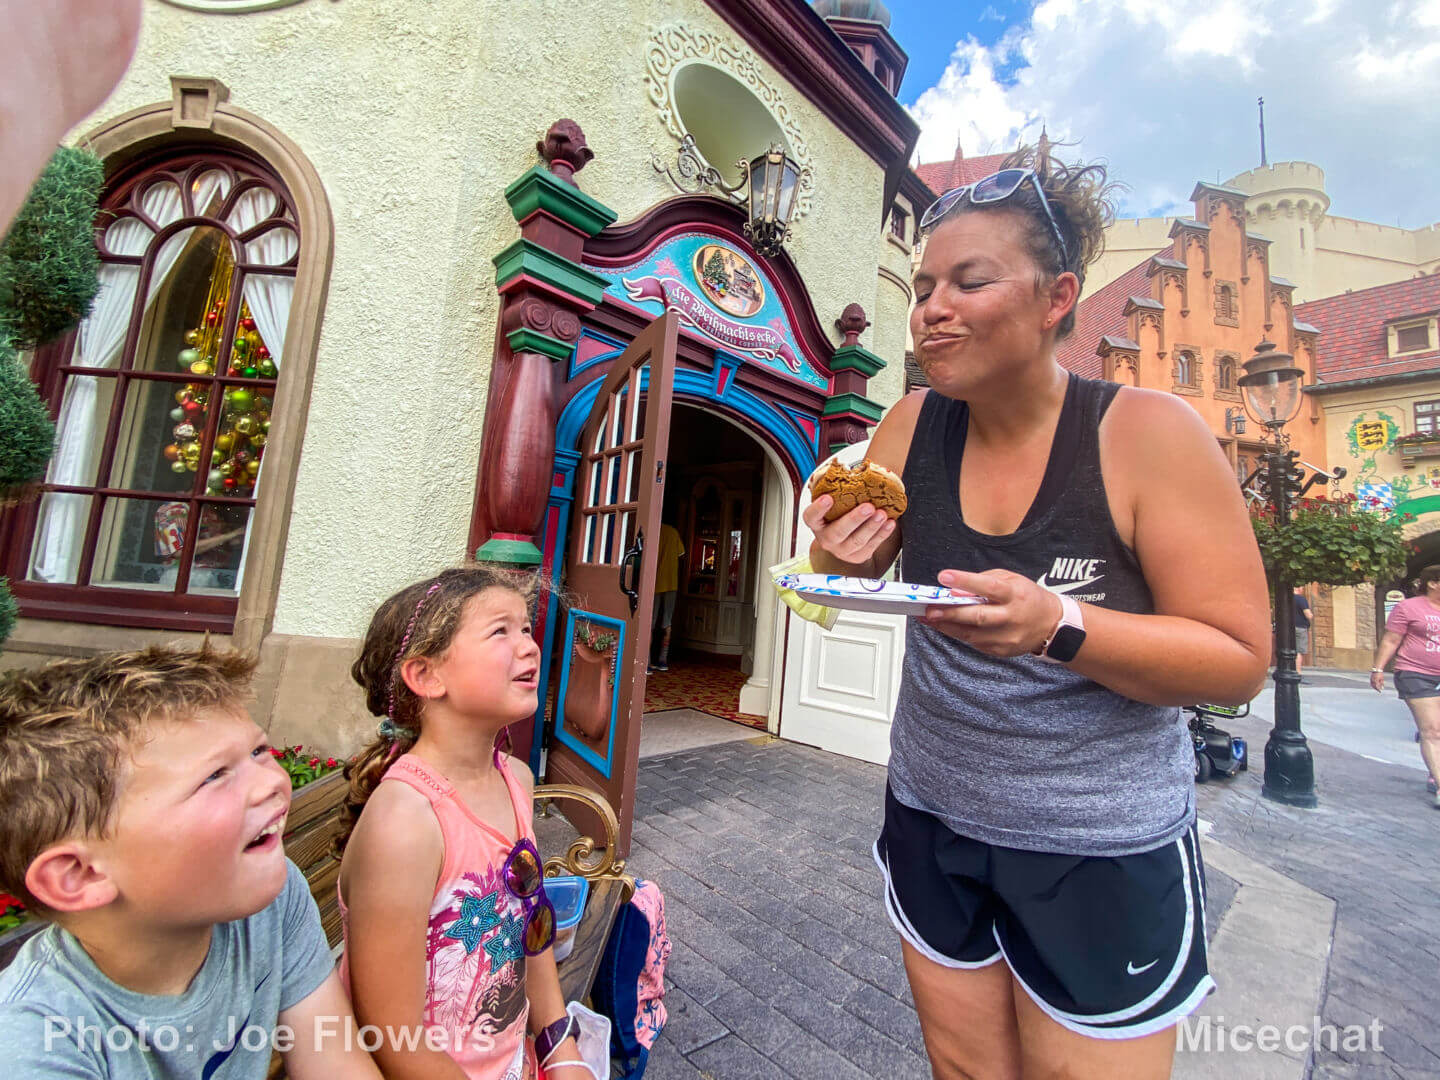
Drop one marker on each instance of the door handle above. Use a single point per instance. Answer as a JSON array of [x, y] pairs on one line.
[[632, 559]]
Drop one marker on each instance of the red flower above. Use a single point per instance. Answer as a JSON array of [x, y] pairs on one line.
[[7, 901], [313, 762], [1354, 528], [277, 754], [331, 763], [297, 748]]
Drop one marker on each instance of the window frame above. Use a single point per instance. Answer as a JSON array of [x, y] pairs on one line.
[[1432, 416], [1399, 327], [83, 600]]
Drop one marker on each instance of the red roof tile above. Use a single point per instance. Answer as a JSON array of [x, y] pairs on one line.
[[941, 176], [1101, 315], [1352, 342]]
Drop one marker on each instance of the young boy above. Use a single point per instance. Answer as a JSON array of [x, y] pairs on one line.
[[141, 814]]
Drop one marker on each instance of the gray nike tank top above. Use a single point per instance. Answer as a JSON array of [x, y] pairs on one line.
[[1020, 752]]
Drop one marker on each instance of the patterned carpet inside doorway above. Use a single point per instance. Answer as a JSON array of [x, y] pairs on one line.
[[700, 681]]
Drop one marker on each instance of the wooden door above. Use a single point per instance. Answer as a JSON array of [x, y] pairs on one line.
[[604, 645]]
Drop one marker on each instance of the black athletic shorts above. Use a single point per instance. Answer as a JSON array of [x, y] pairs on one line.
[[1110, 947], [1415, 684]]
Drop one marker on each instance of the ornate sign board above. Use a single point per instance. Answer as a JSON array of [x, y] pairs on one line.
[[720, 295]]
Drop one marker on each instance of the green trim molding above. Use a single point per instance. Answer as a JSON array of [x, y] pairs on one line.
[[856, 358], [509, 552], [527, 340], [858, 404], [540, 189], [567, 277], [1427, 504]]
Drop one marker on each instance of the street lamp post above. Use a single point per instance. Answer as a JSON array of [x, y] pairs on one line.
[[1271, 384]]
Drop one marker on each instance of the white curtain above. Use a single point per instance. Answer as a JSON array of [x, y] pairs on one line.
[[267, 295], [60, 529]]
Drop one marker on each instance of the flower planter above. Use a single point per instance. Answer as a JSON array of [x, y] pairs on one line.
[[1411, 450], [588, 695]]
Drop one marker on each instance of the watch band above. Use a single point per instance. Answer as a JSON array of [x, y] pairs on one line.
[[553, 1035], [1069, 633]]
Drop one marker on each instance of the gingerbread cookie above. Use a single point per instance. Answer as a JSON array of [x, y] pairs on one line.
[[865, 482]]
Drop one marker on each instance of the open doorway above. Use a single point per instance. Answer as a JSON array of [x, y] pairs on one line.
[[715, 497]]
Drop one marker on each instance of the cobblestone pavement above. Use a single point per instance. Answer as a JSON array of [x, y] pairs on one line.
[[1373, 845], [784, 963]]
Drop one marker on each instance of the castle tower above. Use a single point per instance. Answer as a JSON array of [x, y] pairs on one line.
[[1286, 203]]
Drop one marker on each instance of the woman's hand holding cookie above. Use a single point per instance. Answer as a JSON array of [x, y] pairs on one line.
[[1018, 619], [852, 538]]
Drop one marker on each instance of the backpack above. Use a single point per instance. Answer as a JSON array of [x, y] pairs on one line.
[[630, 984]]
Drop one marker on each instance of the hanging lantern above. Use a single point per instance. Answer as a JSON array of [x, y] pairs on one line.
[[774, 180]]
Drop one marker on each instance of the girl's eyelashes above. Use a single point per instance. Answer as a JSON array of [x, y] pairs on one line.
[[262, 749]]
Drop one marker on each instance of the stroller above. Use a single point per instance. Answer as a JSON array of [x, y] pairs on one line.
[[1216, 750]]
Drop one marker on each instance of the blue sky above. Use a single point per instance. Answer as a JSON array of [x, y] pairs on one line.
[[928, 29], [1165, 93]]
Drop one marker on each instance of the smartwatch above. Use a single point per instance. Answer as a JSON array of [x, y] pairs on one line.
[[1069, 633], [553, 1035]]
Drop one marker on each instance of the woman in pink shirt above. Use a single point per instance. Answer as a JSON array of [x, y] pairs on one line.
[[1412, 637]]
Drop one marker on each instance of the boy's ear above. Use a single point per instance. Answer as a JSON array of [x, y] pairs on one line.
[[65, 878], [420, 676]]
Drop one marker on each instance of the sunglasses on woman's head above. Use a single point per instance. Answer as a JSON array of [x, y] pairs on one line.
[[997, 187], [525, 878]]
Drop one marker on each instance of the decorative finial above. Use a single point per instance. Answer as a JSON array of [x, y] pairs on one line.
[[564, 149], [851, 324]]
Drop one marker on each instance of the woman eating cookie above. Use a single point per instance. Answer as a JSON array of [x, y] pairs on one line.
[[1039, 847]]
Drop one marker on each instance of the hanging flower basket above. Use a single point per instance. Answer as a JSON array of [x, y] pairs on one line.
[[1339, 541]]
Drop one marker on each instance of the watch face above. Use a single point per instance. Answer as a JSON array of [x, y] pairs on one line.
[[1068, 640]]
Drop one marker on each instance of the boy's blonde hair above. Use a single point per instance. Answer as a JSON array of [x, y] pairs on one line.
[[65, 728]]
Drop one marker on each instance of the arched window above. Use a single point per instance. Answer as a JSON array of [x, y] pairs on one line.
[[1185, 369], [1225, 303], [163, 399], [1225, 374]]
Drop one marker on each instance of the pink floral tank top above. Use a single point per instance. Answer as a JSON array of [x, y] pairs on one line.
[[475, 957]]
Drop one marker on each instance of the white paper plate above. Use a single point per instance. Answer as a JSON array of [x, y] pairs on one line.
[[865, 594]]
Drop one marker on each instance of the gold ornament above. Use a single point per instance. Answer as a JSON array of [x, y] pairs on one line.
[[201, 367], [224, 442], [192, 337], [246, 426], [257, 440], [252, 467]]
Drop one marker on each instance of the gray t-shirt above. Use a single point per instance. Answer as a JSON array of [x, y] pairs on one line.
[[61, 1017]]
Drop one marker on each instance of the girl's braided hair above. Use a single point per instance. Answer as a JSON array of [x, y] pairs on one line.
[[419, 620]]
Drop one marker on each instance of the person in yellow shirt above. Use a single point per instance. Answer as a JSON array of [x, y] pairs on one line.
[[667, 587]]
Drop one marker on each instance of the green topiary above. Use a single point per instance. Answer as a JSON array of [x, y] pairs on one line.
[[9, 610], [27, 437], [49, 269]]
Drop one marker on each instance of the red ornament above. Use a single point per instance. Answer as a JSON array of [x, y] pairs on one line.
[[247, 323], [193, 408], [234, 372], [211, 318], [263, 353], [230, 483]]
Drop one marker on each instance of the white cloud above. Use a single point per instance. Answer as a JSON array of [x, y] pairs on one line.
[[1167, 94]]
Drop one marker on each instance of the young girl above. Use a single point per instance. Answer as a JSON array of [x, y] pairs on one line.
[[447, 928]]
